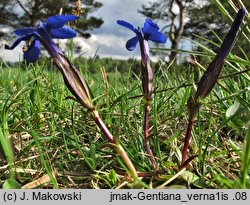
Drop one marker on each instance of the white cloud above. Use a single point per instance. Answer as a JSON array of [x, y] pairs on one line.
[[10, 55], [106, 45], [5, 29]]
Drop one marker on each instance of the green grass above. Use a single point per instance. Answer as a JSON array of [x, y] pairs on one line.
[[54, 136]]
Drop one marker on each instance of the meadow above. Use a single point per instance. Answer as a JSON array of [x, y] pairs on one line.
[[48, 140], [57, 145]]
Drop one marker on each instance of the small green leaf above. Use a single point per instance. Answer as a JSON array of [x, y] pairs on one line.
[[112, 177], [91, 162], [92, 151], [172, 138], [182, 103], [11, 184], [232, 109], [193, 179]]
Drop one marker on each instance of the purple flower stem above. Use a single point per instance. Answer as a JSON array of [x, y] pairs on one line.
[[146, 141], [102, 126], [187, 140]]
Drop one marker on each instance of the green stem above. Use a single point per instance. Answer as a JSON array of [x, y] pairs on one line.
[[119, 149], [245, 159], [7, 149]]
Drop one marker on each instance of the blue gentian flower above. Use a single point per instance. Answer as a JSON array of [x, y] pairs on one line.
[[150, 31], [53, 26]]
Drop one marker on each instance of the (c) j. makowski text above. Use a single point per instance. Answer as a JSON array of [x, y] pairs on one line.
[[47, 196]]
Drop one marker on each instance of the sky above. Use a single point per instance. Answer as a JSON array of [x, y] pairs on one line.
[[109, 40]]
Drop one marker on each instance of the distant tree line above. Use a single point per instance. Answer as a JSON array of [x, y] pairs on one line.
[[93, 65], [185, 17], [26, 13]]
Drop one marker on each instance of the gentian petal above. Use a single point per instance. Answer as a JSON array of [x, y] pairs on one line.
[[158, 37], [131, 44], [60, 20], [25, 31], [149, 28], [127, 25], [19, 40], [32, 54], [62, 33], [149, 23]]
